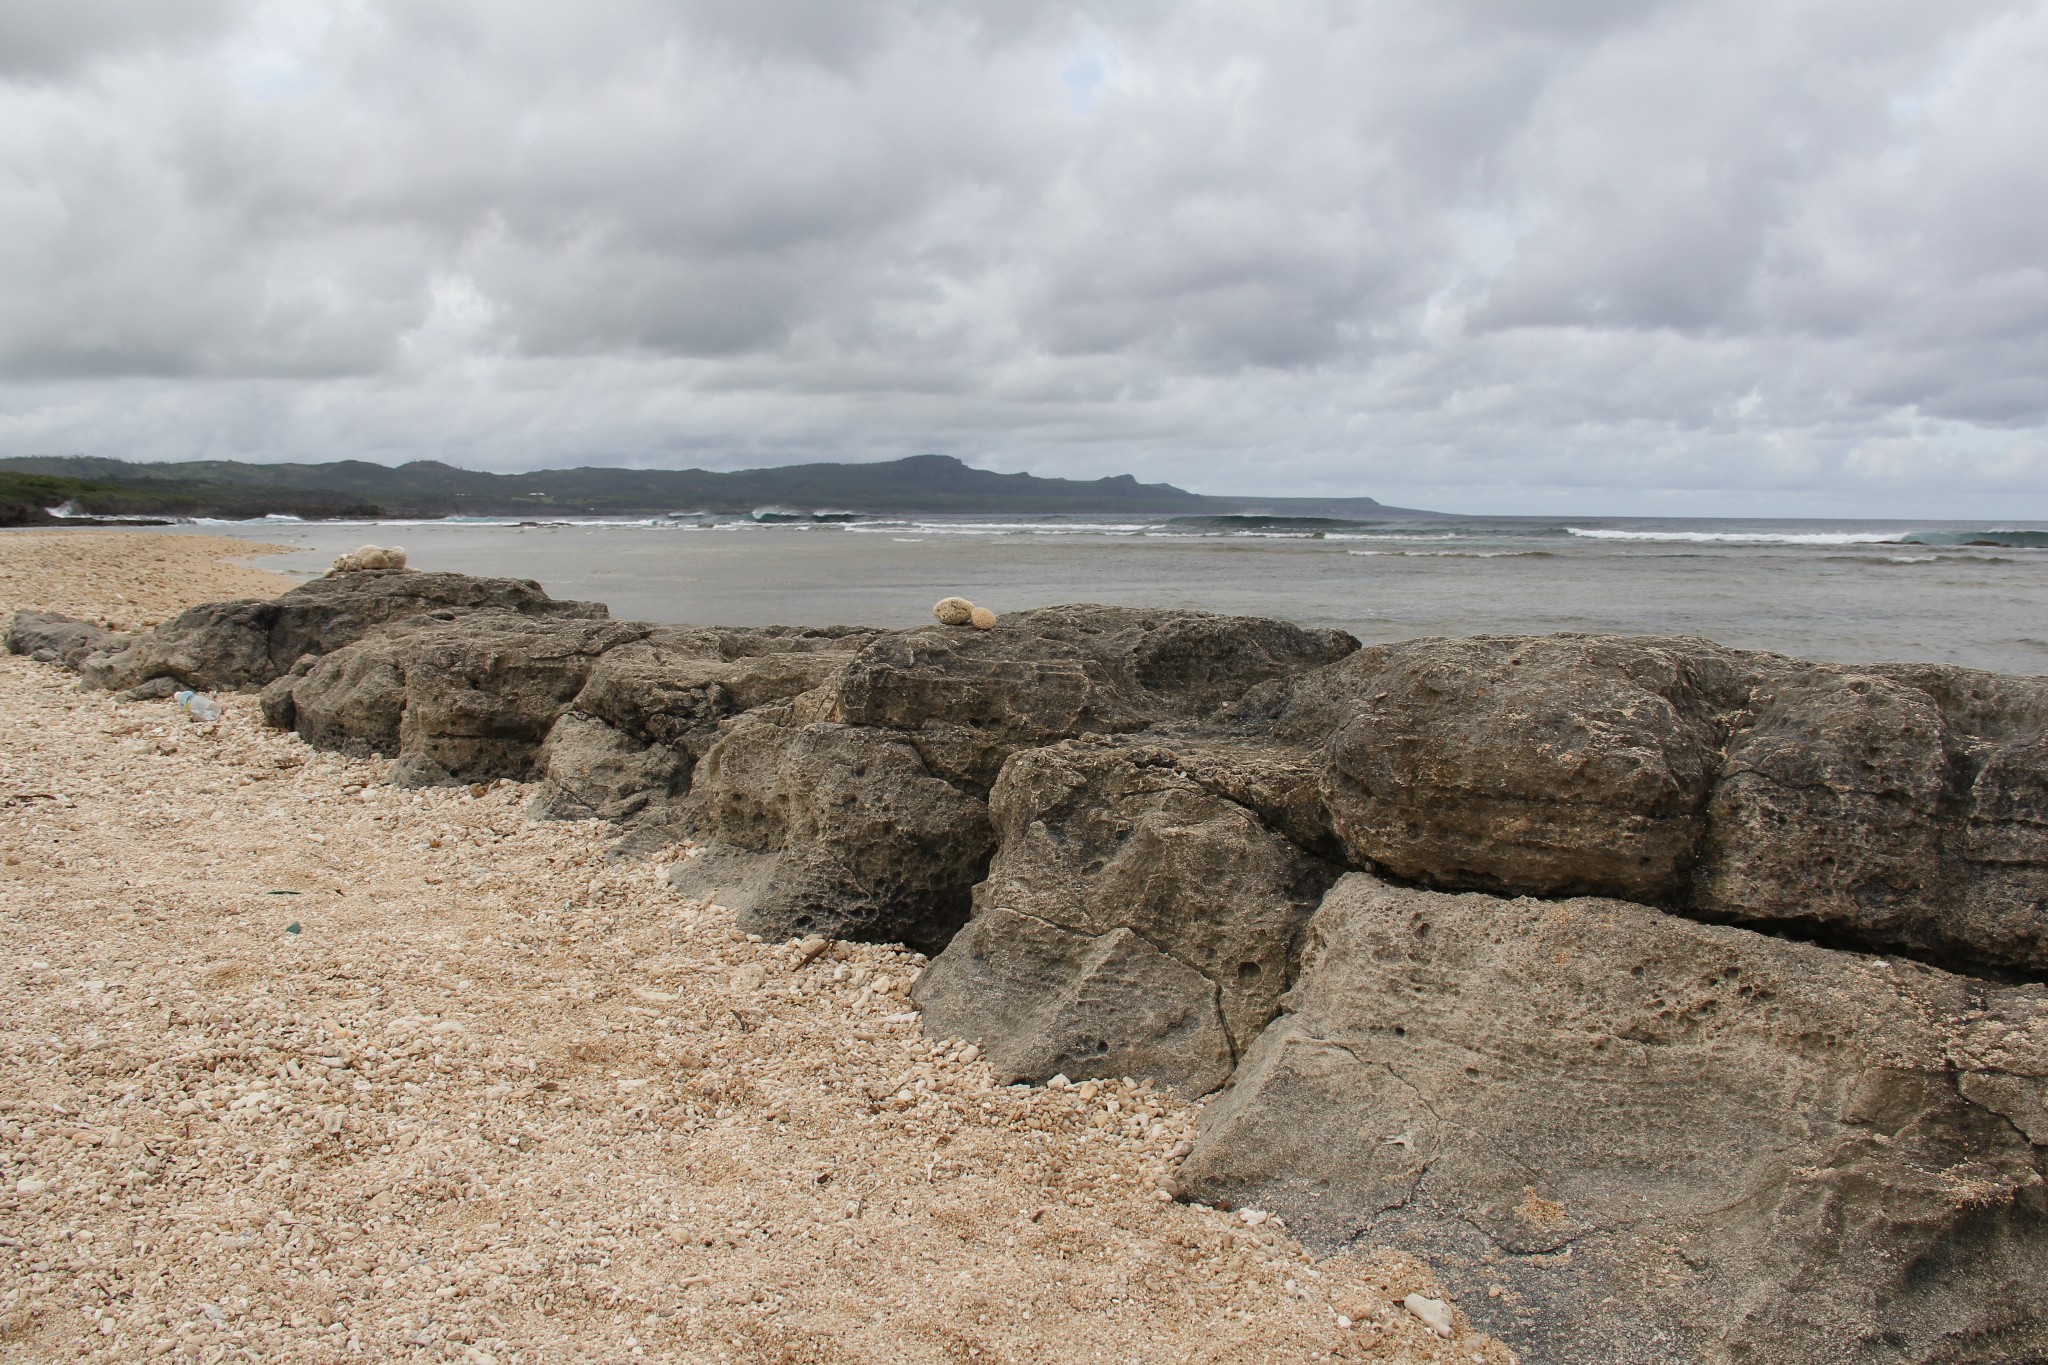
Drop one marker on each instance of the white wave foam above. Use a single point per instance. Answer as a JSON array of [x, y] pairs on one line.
[[1743, 537], [1449, 554]]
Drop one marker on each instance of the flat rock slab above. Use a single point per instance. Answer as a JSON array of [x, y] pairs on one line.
[[1625, 1136]]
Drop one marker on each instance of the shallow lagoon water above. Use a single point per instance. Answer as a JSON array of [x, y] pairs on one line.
[[1852, 592]]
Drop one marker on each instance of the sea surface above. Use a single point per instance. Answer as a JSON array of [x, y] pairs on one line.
[[1972, 593]]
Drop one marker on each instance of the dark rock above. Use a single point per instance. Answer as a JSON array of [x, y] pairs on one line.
[[53, 638], [677, 684], [1892, 806], [1906, 811], [1552, 765], [156, 689], [250, 642], [1059, 672], [592, 771], [1133, 923], [464, 699], [870, 844], [1667, 1141]]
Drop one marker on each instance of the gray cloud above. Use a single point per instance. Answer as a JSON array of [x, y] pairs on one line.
[[1691, 255]]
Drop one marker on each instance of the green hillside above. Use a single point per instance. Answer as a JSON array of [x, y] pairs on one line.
[[920, 484]]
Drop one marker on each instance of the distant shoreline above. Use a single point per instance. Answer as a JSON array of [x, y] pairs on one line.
[[32, 487]]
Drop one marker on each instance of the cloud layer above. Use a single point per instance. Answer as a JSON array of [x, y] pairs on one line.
[[1697, 255]]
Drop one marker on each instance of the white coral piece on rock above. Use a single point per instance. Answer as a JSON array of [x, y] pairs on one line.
[[370, 557]]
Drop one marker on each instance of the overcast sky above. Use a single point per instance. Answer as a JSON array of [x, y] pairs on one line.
[[1698, 256]]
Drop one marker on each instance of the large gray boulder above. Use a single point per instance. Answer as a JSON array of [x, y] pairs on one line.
[[53, 638], [250, 642], [1892, 806], [652, 707], [866, 842], [971, 698], [1133, 923], [1623, 1136], [1550, 766], [961, 702], [1898, 807], [463, 698]]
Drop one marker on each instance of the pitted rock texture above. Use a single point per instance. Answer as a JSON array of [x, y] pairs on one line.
[[464, 697], [1134, 922], [250, 642], [1666, 1141], [675, 685], [592, 771], [870, 844], [1549, 766], [1036, 677], [1893, 806]]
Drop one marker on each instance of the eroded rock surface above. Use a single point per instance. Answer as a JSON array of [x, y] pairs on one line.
[[250, 642], [1894, 806], [1549, 766], [869, 843], [1134, 922], [975, 697], [963, 702], [53, 638], [1666, 1141], [462, 697]]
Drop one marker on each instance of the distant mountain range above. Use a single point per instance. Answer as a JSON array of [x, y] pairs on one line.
[[918, 485]]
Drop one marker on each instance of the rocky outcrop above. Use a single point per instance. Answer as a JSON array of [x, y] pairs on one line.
[[462, 698], [53, 638], [1890, 806], [1903, 808], [972, 698], [1625, 1125], [962, 702], [1664, 1141], [867, 843], [1134, 923], [251, 642]]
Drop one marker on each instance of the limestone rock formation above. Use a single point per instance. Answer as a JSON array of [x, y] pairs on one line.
[[1549, 766], [1892, 806], [868, 843], [1897, 806], [54, 638], [1666, 1141], [592, 771], [1133, 923], [250, 642], [458, 698], [1037, 677]]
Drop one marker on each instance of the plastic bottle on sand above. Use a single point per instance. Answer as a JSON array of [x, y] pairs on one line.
[[201, 706]]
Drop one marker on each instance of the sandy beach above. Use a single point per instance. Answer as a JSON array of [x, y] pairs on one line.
[[302, 1067]]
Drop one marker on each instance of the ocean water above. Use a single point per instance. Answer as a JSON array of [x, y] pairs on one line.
[[1967, 593]]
